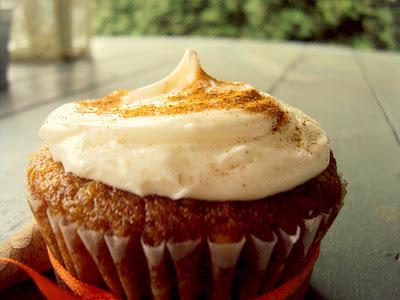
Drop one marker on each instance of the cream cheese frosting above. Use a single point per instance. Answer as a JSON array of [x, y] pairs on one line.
[[189, 136]]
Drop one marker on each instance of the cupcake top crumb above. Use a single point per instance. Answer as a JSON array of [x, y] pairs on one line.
[[97, 206]]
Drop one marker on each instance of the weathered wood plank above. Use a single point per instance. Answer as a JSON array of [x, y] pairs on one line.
[[358, 255], [382, 71], [100, 50]]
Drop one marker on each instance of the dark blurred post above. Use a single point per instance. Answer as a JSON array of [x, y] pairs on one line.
[[5, 28]]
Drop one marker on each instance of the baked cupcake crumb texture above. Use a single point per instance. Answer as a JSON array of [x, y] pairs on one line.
[[97, 206]]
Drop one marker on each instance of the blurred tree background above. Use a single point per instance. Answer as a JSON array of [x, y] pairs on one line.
[[360, 23]]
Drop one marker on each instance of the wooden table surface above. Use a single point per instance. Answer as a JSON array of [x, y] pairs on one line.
[[355, 95]]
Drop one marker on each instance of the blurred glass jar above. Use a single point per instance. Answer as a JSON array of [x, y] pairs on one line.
[[5, 26], [51, 29]]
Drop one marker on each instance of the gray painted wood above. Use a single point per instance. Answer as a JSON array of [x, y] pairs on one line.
[[358, 258], [354, 95], [382, 72]]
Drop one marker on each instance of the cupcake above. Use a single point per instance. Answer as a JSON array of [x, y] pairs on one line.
[[189, 188]]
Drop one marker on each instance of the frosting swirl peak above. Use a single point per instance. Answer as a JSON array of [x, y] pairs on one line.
[[189, 135], [187, 89]]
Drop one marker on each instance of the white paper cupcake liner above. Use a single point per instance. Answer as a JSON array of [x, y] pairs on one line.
[[131, 268]]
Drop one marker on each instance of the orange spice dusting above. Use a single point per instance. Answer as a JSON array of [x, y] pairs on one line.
[[197, 97], [107, 104]]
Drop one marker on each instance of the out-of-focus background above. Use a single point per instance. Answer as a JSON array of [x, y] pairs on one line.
[[359, 23], [40, 30]]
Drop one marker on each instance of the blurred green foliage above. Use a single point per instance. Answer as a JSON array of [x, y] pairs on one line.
[[360, 23]]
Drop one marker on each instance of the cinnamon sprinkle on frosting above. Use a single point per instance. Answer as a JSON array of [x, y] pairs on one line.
[[197, 97]]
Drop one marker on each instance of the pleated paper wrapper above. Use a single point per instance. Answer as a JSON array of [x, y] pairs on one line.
[[192, 269]]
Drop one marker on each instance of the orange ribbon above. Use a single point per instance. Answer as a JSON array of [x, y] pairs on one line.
[[84, 291], [286, 289]]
